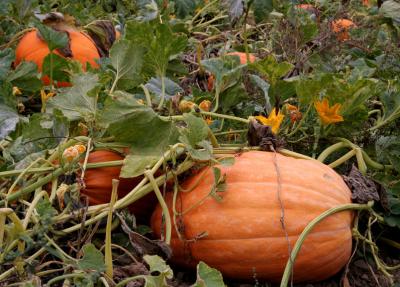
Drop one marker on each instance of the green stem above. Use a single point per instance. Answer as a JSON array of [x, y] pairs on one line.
[[317, 134], [289, 265], [66, 276], [217, 91], [228, 117], [130, 279], [328, 151], [343, 159], [162, 92], [35, 185], [147, 95], [167, 216]]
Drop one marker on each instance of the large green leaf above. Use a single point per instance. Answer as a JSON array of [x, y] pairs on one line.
[[154, 85], [388, 150], [53, 38], [132, 122], [6, 58], [8, 121], [77, 102], [391, 9], [56, 67], [270, 68], [184, 7], [136, 164], [157, 266], [127, 60], [148, 10], [235, 8], [264, 86], [25, 77]]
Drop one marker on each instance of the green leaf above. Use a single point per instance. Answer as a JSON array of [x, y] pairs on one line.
[[134, 123], [25, 77], [391, 103], [135, 165], [6, 58], [127, 60], [262, 8], [235, 8], [56, 66], [157, 265], [233, 96], [164, 46], [171, 88], [77, 102], [46, 211], [148, 10], [196, 130], [53, 38], [92, 259], [8, 121], [226, 70], [264, 86], [184, 7], [208, 277], [391, 9], [270, 68], [388, 150]]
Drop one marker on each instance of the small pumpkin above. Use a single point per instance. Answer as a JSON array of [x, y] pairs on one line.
[[98, 185], [242, 56], [244, 234], [342, 27], [310, 9], [32, 48]]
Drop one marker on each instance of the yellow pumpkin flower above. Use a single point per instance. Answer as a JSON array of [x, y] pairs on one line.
[[328, 115], [16, 91], [45, 96], [273, 120], [208, 120], [205, 105], [186, 106]]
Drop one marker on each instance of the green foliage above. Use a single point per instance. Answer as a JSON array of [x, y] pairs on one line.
[[207, 276]]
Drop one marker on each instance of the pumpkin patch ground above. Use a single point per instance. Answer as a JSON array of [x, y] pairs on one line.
[[199, 143]]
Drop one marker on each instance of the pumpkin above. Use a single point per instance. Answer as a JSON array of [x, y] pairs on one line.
[[98, 185], [342, 27], [310, 9], [32, 48], [244, 236], [242, 56]]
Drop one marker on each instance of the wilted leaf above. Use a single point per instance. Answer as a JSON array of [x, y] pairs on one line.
[[92, 259], [207, 276], [157, 264], [77, 102]]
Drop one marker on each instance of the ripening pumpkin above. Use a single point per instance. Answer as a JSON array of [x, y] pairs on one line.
[[32, 48], [244, 233], [242, 56], [342, 27], [98, 185]]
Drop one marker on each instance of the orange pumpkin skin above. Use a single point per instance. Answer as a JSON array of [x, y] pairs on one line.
[[32, 48], [98, 185], [245, 237], [342, 27], [243, 58]]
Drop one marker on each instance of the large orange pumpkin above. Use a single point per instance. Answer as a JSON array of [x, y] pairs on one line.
[[245, 238], [342, 27], [98, 185], [32, 48]]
